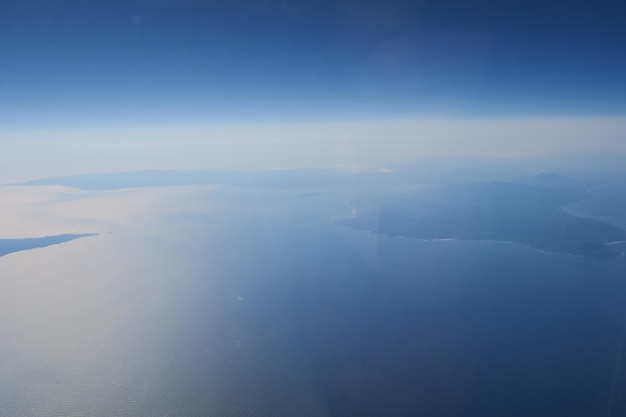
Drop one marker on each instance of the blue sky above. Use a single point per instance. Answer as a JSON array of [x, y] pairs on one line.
[[101, 63], [137, 84]]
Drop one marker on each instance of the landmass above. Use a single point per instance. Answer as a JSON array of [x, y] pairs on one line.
[[527, 212], [8, 246], [270, 178]]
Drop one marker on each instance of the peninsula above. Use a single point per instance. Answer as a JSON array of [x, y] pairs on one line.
[[525, 213]]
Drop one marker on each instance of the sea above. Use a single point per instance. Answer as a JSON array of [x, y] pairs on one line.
[[265, 307]]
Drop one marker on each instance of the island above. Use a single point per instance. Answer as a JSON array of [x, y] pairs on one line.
[[530, 213], [8, 246]]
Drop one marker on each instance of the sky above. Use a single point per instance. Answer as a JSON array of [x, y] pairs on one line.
[[85, 66]]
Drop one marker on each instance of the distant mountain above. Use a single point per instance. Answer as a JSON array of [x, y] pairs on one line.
[[499, 211], [554, 180], [279, 178]]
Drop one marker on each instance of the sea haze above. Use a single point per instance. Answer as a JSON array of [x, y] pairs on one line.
[[213, 298], [277, 208]]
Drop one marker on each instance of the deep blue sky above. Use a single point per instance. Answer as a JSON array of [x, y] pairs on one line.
[[78, 62]]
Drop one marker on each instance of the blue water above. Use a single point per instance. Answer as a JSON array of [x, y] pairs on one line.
[[278, 312], [369, 325]]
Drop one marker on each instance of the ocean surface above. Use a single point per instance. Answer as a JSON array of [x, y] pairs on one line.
[[267, 308]]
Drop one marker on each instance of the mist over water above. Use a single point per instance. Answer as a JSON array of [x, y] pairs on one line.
[[265, 307], [210, 156]]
